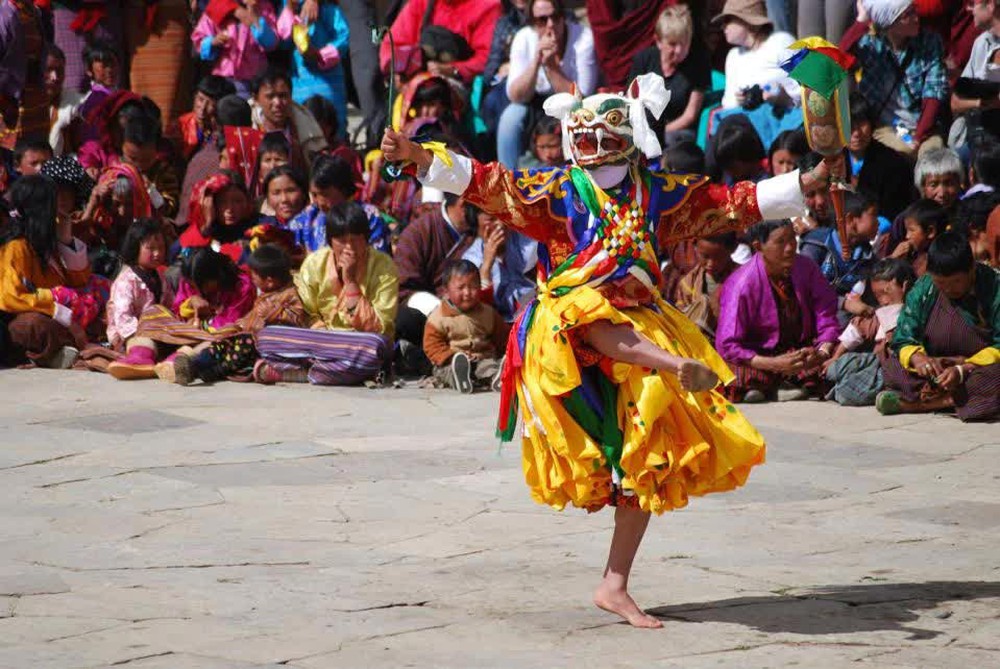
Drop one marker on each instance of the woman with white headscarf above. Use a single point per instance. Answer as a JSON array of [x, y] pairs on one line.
[[903, 75]]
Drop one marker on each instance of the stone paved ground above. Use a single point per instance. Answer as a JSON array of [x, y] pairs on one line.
[[152, 526]]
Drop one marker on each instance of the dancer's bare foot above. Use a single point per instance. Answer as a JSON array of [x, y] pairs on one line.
[[622, 604], [696, 377]]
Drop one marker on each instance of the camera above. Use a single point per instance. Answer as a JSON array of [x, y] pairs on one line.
[[754, 97]]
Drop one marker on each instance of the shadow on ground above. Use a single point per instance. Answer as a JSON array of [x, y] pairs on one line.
[[836, 609]]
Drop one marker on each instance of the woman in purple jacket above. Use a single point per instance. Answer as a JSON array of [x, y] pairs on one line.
[[777, 322]]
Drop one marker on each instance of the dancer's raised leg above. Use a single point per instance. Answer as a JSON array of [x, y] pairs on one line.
[[612, 594], [621, 342]]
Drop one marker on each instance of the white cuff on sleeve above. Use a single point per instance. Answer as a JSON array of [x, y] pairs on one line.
[[74, 257], [780, 197], [454, 179], [63, 315]]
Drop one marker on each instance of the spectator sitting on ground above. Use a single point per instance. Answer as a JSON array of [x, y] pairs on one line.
[[350, 292], [822, 245], [777, 321], [465, 338], [548, 56], [438, 235], [505, 259], [946, 349], [903, 74], [43, 268], [855, 370], [697, 294]]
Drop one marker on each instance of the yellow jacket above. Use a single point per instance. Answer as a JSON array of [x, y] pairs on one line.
[[26, 284], [376, 312]]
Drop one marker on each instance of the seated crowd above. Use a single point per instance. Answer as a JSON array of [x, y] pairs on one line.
[[234, 229]]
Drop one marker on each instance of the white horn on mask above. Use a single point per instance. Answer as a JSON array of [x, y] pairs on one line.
[[647, 91]]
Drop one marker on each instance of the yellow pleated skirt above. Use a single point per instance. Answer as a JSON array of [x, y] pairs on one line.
[[675, 443]]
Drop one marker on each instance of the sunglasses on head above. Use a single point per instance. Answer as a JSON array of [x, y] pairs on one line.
[[541, 21]]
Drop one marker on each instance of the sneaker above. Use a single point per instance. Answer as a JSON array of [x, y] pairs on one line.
[[63, 358], [792, 394], [461, 372], [754, 396], [183, 370]]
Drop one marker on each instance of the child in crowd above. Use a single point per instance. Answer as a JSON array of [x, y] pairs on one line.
[[972, 216], [823, 246], [924, 220], [274, 151], [236, 37], [220, 213], [29, 154], [285, 192], [546, 145], [736, 152], [140, 149], [141, 283], [318, 45], [465, 338], [211, 296], [198, 125], [103, 66], [786, 150], [697, 294], [333, 182], [277, 303], [854, 369]]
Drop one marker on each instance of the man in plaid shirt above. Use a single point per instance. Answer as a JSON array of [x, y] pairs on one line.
[[903, 76]]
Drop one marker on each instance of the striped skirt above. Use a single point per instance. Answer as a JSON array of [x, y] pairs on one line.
[[161, 325], [333, 357], [947, 334]]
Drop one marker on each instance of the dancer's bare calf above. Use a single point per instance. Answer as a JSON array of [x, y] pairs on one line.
[[621, 342]]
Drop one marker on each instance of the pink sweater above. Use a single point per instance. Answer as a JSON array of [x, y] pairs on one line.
[[245, 56]]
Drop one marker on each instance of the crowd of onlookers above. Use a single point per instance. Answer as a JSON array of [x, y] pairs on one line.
[[182, 197]]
